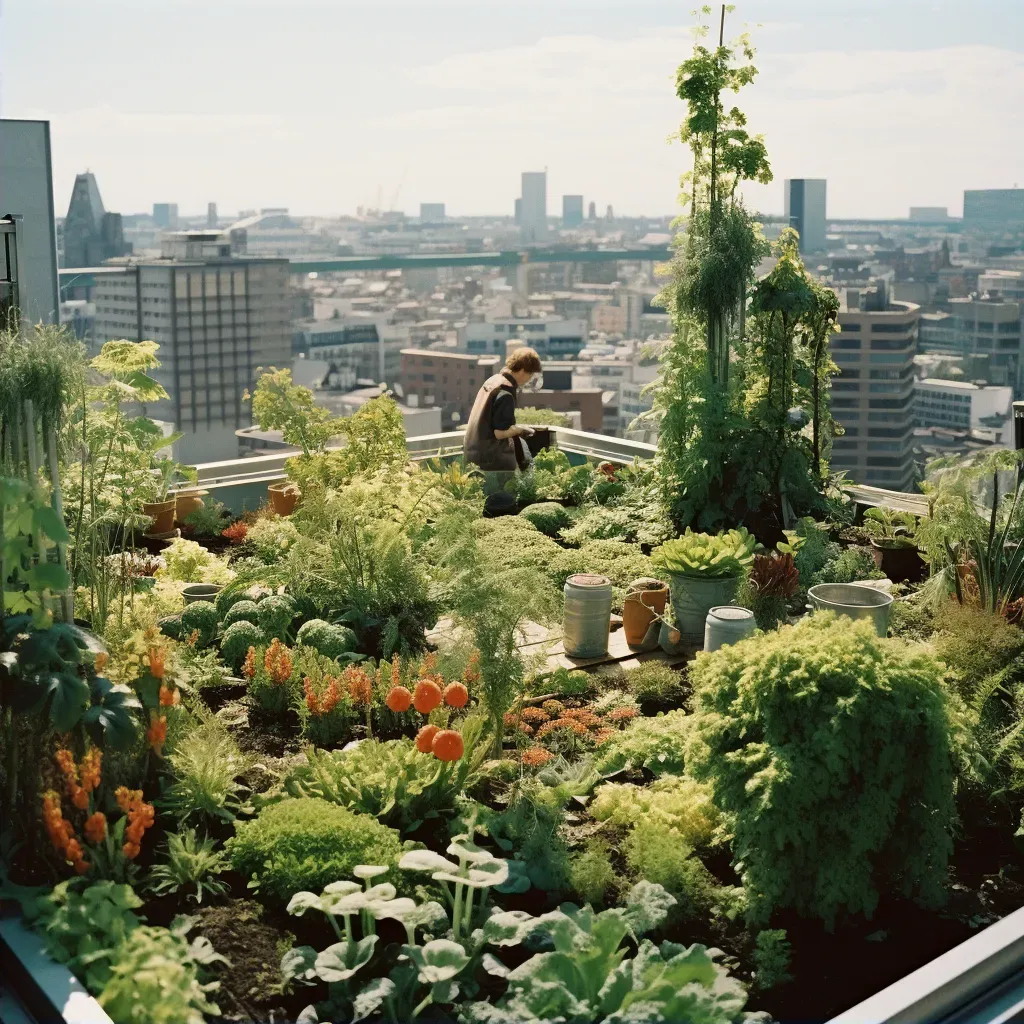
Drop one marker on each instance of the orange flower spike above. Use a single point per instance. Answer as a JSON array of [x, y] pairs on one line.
[[396, 670], [91, 769], [169, 696], [73, 850], [123, 796], [101, 660], [82, 866], [80, 798], [425, 738], [471, 673], [399, 699], [426, 696], [249, 665], [456, 695], [96, 827], [135, 831], [156, 735], [156, 662], [447, 745], [66, 762], [360, 686], [131, 850]]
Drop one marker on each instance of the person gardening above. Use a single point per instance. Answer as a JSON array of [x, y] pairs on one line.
[[493, 438]]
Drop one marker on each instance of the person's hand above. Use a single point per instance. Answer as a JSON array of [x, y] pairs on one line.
[[524, 431]]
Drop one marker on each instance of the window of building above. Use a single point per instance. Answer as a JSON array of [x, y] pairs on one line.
[[842, 342], [890, 344], [428, 376], [890, 329], [883, 460]]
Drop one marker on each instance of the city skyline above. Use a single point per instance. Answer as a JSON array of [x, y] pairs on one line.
[[349, 108]]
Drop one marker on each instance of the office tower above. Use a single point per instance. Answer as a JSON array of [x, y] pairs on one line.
[[518, 216], [216, 317], [592, 211], [609, 213], [994, 208], [91, 235], [805, 211], [533, 220], [991, 327], [432, 213], [26, 195], [166, 215], [211, 215], [964, 406], [572, 211], [873, 397]]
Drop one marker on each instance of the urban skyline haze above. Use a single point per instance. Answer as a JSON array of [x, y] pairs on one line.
[[324, 107]]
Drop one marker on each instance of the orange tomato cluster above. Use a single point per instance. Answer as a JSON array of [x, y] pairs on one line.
[[327, 701], [140, 817], [62, 832], [428, 694], [277, 662]]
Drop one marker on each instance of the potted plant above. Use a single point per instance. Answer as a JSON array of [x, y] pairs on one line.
[[893, 544], [645, 601], [704, 570], [162, 509], [284, 496], [187, 501]]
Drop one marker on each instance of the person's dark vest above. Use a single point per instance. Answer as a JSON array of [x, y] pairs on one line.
[[481, 446]]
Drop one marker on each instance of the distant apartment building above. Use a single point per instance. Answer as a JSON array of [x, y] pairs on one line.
[[873, 397], [366, 345], [572, 211], [985, 410], [992, 328], [553, 338], [91, 235], [217, 318], [211, 215], [1002, 284], [939, 334], [165, 215], [804, 201], [451, 381], [432, 213], [929, 214], [533, 209], [994, 208]]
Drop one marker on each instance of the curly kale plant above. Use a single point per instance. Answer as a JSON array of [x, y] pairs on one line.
[[829, 752], [200, 617]]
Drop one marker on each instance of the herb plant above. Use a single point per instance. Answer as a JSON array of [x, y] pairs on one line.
[[190, 862]]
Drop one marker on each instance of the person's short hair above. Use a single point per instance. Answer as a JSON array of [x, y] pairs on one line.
[[523, 360]]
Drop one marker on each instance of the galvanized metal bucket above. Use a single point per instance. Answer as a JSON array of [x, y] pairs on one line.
[[855, 601]]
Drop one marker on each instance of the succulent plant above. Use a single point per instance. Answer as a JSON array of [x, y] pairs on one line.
[[706, 555]]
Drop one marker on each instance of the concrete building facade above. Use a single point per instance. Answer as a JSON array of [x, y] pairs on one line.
[[216, 317], [873, 397], [985, 410], [533, 210], [26, 193], [992, 328], [552, 337], [572, 211], [432, 213], [994, 208]]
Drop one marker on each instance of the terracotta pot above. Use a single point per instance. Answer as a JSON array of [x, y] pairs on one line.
[[900, 563], [284, 497], [162, 514], [641, 607], [186, 502]]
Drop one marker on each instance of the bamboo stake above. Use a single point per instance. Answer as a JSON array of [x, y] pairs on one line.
[[67, 598]]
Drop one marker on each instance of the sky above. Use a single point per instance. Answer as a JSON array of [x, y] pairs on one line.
[[323, 106]]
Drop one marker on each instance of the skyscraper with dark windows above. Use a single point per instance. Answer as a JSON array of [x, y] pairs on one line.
[[91, 235]]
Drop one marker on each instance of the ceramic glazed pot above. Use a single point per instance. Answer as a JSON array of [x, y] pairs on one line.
[[645, 601], [201, 592], [694, 596], [162, 514], [899, 563], [284, 496]]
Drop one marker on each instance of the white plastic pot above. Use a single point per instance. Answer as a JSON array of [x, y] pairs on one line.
[[727, 624]]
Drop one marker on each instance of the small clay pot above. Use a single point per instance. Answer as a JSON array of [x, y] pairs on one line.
[[162, 514], [284, 497], [186, 502], [645, 601]]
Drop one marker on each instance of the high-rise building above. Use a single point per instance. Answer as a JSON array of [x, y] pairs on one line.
[[26, 195], [211, 215], [994, 207], [592, 211], [926, 214], [432, 213], [533, 220], [166, 215], [992, 327], [217, 317], [91, 235], [873, 397], [805, 211], [572, 211], [964, 406], [518, 215]]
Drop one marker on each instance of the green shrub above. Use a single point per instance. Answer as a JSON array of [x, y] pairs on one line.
[[974, 643], [771, 959], [276, 614], [828, 750], [657, 853], [706, 555], [590, 873], [512, 542], [850, 565], [227, 599], [190, 863], [243, 610], [548, 516], [236, 641], [326, 638], [657, 744], [675, 801], [620, 562], [305, 844], [654, 682], [170, 625], [201, 616], [189, 562]]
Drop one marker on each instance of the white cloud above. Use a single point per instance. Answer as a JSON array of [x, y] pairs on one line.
[[887, 128]]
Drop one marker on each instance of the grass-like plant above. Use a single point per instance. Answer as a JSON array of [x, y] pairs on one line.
[[191, 864], [205, 765]]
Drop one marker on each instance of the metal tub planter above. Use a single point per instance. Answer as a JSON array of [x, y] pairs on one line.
[[855, 600]]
